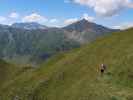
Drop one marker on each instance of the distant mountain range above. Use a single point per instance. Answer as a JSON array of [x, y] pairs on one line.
[[34, 41], [29, 26]]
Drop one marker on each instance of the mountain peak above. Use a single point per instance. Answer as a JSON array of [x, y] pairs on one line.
[[29, 25], [85, 25], [83, 20]]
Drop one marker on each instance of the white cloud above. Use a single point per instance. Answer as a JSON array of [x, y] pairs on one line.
[[53, 21], [87, 17], [130, 4], [2, 19], [6, 21], [14, 15], [124, 26], [70, 21], [34, 17], [106, 7]]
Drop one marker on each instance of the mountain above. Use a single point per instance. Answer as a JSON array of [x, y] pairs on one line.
[[75, 75], [24, 45], [29, 42], [29, 26], [84, 31]]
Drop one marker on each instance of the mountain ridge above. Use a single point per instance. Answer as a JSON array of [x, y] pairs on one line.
[[81, 25], [84, 31], [43, 43], [29, 26]]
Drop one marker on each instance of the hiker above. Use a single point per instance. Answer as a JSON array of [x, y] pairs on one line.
[[102, 68]]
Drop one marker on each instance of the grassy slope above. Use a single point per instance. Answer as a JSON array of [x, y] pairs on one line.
[[75, 75], [7, 71]]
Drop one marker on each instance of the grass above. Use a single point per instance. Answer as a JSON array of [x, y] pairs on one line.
[[7, 71], [75, 75]]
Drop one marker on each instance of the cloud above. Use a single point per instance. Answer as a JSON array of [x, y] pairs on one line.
[[124, 26], [106, 7], [5, 20], [14, 15], [70, 21], [130, 4], [53, 21], [34, 17], [9, 19], [2, 19], [87, 17]]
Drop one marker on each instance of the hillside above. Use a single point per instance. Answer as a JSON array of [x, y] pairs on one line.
[[7, 71], [75, 76]]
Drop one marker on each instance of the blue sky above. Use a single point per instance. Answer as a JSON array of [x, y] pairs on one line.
[[112, 13]]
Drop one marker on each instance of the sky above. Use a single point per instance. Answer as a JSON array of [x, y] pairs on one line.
[[59, 13]]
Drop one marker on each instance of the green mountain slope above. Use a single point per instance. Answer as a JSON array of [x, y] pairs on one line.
[[7, 71], [75, 75]]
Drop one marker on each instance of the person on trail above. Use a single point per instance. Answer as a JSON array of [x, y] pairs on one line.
[[102, 68]]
